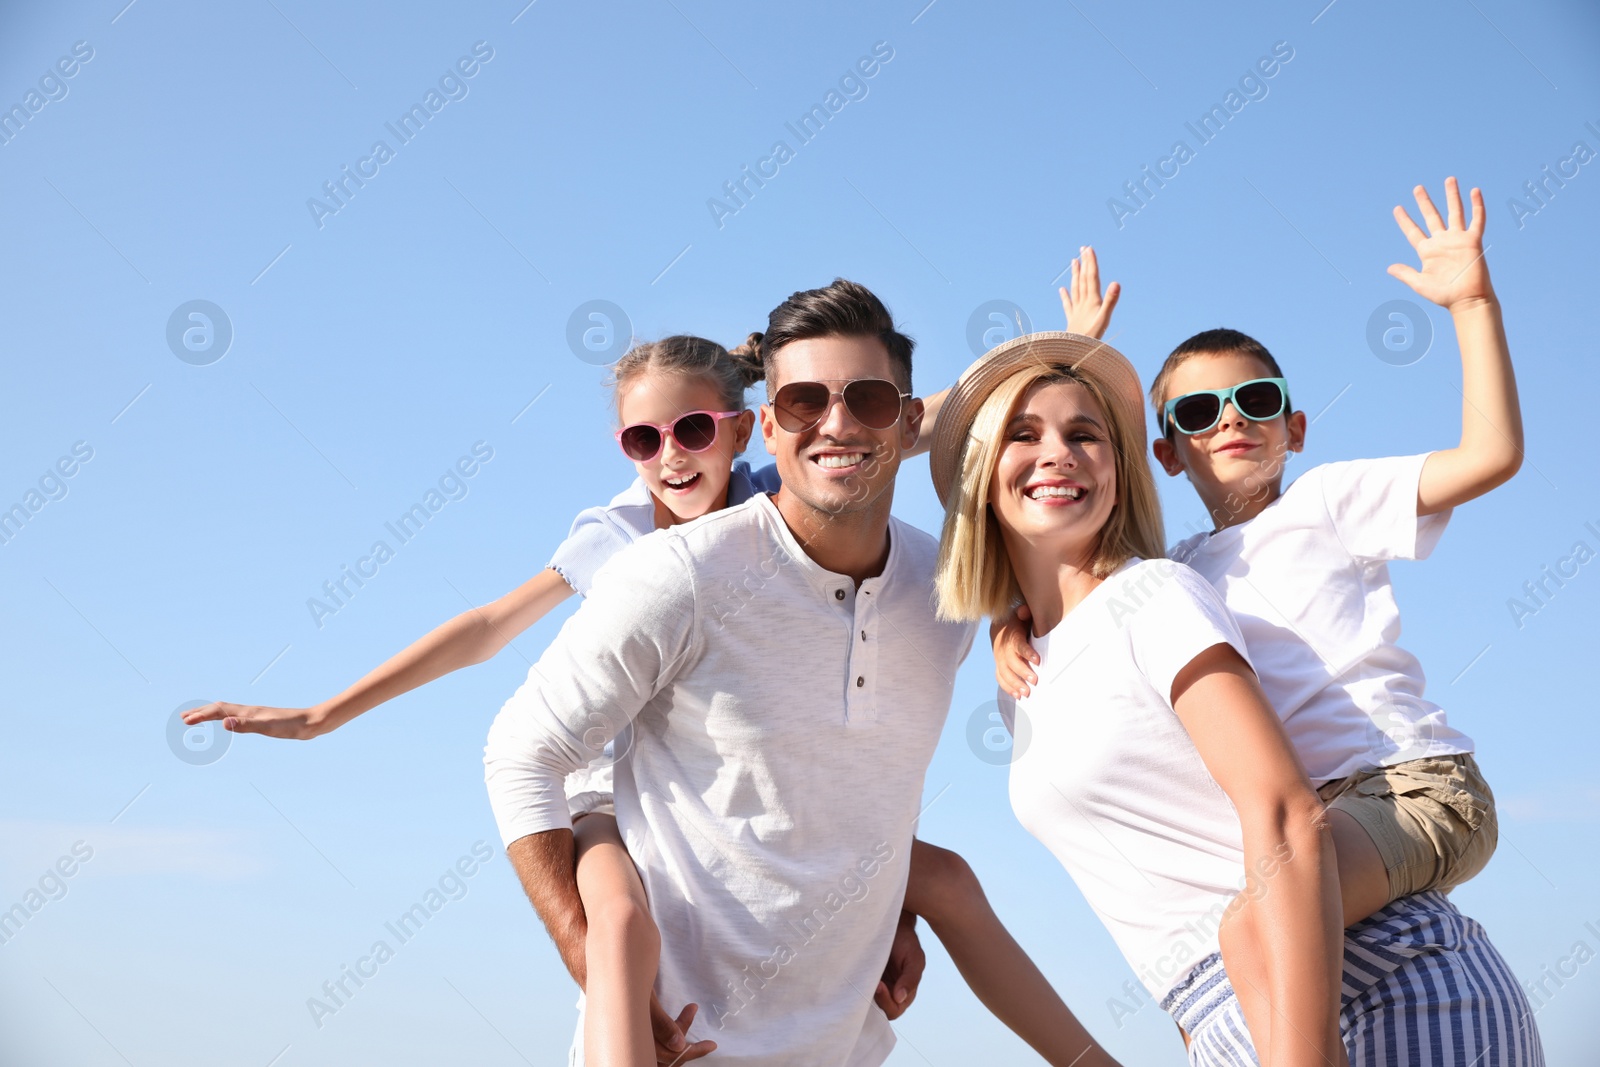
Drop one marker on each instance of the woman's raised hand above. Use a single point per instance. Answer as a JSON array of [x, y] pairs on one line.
[[1087, 311], [295, 724]]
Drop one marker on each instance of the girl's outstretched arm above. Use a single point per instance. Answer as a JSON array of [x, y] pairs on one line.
[[471, 637], [1455, 276], [1288, 918], [943, 890]]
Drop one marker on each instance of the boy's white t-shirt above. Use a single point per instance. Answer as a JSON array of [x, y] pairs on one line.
[[1105, 775], [1308, 582]]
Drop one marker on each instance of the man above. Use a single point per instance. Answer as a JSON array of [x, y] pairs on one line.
[[786, 683]]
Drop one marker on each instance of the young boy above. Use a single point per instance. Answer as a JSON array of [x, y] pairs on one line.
[[1304, 570]]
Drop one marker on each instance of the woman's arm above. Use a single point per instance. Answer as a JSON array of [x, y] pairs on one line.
[[471, 637], [1290, 902]]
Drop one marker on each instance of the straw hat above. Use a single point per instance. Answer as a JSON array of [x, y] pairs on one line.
[[1095, 360]]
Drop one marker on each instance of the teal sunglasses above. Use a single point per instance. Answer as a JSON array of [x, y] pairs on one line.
[[1259, 399]]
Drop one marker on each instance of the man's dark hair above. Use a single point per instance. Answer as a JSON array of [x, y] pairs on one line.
[[843, 309]]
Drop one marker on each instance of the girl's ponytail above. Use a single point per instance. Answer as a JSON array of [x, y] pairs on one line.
[[747, 358]]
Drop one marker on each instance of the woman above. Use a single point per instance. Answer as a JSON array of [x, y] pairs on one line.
[[1156, 771]]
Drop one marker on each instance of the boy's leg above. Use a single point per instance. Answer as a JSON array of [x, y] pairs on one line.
[[622, 949], [1407, 828], [942, 889], [1363, 876], [1364, 881]]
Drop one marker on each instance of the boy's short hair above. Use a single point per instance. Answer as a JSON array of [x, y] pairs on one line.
[[1216, 342], [843, 309]]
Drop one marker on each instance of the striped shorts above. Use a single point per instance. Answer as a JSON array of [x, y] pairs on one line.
[[1423, 987]]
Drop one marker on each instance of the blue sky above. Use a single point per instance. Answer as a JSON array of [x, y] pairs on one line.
[[211, 496]]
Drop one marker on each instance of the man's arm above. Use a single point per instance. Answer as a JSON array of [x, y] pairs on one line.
[[627, 640], [903, 971], [544, 864]]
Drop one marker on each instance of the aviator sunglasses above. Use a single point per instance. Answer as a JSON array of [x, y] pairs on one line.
[[694, 432], [872, 402], [1258, 400]]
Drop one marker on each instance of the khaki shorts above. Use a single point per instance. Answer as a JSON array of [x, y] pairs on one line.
[[1432, 819]]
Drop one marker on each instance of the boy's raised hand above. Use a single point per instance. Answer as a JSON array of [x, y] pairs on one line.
[[1454, 274], [1014, 657], [1087, 311]]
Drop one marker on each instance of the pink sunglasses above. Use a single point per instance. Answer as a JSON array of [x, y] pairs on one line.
[[694, 432]]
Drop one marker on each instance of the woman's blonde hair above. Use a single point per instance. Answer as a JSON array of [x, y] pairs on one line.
[[975, 577]]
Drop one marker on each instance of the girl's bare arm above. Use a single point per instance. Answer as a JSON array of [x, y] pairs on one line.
[[471, 637]]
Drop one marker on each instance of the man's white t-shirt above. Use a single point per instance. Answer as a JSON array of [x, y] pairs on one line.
[[1104, 774], [597, 534], [782, 720], [1308, 582]]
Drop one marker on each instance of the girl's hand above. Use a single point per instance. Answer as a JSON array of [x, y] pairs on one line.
[[1454, 274], [1087, 312], [296, 724], [1014, 657]]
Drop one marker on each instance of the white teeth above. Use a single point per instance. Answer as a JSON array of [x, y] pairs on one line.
[[681, 480], [844, 460], [1044, 491]]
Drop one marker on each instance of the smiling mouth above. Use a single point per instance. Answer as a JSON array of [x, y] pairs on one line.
[[682, 483], [1057, 492], [838, 460]]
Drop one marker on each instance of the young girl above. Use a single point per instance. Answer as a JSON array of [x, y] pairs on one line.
[[681, 403], [1304, 570], [1157, 771]]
